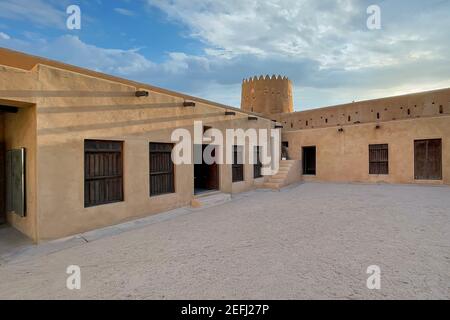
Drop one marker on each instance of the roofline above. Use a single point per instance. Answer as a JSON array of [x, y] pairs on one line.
[[367, 101], [104, 76]]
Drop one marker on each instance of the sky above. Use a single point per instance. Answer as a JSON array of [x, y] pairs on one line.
[[206, 48]]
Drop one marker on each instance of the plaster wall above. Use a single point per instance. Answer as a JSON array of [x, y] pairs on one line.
[[72, 107], [267, 95], [412, 106], [344, 156]]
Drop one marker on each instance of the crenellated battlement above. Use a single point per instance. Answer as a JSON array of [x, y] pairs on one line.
[[266, 78], [267, 95]]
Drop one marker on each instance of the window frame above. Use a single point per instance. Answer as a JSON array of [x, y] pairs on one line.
[[88, 202], [376, 165], [171, 172], [419, 177], [237, 168]]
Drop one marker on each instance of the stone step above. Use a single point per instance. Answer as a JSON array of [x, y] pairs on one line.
[[279, 175], [285, 164], [278, 180], [210, 199], [288, 161], [272, 185]]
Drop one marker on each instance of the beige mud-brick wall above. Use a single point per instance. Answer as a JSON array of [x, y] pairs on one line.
[[75, 105], [344, 156], [411, 106], [80, 107], [267, 95]]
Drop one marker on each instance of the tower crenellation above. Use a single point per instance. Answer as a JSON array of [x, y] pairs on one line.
[[267, 95]]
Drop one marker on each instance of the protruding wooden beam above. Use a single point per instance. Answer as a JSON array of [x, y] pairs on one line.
[[189, 104], [141, 93]]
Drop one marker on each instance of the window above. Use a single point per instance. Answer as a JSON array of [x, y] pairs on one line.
[[378, 159], [161, 169], [258, 165], [238, 164], [428, 159], [309, 160], [103, 172]]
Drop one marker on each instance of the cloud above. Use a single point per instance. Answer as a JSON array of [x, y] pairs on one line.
[[219, 78], [323, 47], [35, 11], [124, 12], [333, 33], [4, 36], [127, 63]]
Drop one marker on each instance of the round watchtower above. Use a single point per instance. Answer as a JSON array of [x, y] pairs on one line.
[[267, 95]]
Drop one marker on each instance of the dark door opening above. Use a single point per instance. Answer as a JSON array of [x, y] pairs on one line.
[[428, 159], [206, 176], [2, 184], [309, 160], [285, 150]]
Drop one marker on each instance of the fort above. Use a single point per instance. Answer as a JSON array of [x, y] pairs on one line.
[[267, 95], [83, 150], [402, 139]]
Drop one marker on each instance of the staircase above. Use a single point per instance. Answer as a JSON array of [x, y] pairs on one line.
[[210, 199], [283, 177]]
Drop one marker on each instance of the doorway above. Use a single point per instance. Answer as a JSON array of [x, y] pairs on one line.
[[428, 159], [206, 176], [309, 160], [2, 184]]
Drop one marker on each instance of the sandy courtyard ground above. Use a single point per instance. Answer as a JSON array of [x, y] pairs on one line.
[[310, 241]]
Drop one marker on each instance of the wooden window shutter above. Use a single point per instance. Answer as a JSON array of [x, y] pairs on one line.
[[428, 159], [103, 172], [378, 159], [162, 178]]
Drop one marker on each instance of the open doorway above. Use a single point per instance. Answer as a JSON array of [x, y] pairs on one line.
[[309, 160], [2, 183], [206, 176], [13, 139]]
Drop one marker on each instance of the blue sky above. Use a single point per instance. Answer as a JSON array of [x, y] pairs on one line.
[[206, 47]]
